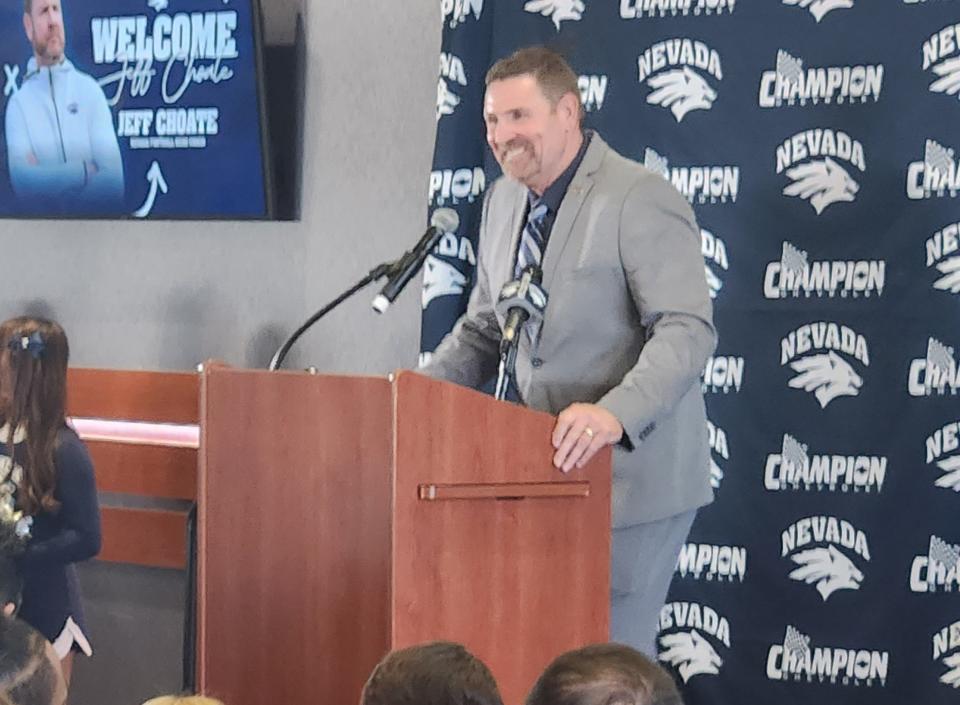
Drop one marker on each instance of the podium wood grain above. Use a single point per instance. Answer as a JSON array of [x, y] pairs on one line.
[[342, 517], [294, 536], [517, 579]]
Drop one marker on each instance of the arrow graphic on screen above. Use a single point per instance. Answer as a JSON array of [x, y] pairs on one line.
[[155, 177]]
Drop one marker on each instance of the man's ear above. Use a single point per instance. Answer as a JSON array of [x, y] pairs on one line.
[[9, 609], [28, 27], [569, 105]]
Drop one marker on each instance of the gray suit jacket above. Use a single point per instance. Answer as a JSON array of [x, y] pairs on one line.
[[628, 324]]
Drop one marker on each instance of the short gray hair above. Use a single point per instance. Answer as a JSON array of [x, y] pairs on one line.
[[549, 69]]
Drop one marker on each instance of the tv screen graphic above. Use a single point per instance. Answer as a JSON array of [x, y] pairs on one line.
[[132, 108]]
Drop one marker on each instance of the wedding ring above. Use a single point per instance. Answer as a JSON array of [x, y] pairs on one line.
[[588, 431]]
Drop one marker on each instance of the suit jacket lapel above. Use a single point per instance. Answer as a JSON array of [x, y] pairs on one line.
[[570, 206], [516, 225]]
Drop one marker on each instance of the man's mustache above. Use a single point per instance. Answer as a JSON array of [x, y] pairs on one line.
[[513, 144]]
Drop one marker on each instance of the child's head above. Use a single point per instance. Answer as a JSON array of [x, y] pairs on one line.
[[604, 673], [436, 673], [33, 368], [29, 670]]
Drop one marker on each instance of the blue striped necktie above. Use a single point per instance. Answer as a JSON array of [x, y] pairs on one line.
[[532, 240]]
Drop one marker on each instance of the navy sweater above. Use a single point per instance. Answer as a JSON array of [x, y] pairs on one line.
[[59, 539]]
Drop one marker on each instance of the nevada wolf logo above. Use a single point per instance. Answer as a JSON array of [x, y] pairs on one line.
[[949, 81], [951, 478], [828, 568], [827, 375], [557, 10], [681, 90], [440, 279], [819, 8], [690, 653], [952, 677], [822, 182], [158, 5], [447, 100], [950, 281]]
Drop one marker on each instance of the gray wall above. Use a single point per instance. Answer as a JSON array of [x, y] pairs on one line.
[[168, 295]]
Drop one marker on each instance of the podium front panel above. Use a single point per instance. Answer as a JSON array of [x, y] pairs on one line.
[[294, 536], [494, 547]]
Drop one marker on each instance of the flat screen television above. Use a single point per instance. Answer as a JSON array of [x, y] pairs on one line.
[[132, 108]]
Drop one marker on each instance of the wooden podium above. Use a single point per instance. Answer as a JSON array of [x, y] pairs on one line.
[[341, 517]]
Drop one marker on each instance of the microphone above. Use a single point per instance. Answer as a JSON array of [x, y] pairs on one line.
[[521, 301], [443, 220]]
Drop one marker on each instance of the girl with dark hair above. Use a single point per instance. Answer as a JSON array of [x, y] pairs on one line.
[[46, 477]]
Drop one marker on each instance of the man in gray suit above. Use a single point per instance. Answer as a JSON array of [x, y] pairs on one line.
[[627, 330]]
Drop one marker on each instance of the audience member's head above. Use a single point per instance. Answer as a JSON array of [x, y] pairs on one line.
[[183, 700], [604, 674], [29, 670], [439, 673], [11, 585]]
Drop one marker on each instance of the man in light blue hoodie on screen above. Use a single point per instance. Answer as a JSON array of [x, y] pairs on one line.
[[61, 145]]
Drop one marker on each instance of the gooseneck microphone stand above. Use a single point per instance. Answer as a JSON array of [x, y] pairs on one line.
[[378, 272]]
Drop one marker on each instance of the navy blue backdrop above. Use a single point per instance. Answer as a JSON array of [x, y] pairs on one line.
[[816, 141], [189, 127]]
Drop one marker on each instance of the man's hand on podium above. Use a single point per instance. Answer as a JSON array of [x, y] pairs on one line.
[[582, 430]]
